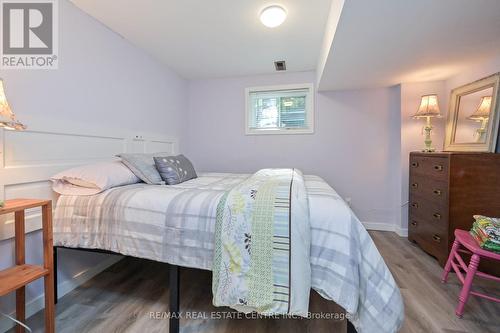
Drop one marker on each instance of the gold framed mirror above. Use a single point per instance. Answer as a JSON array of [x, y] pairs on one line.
[[472, 123]]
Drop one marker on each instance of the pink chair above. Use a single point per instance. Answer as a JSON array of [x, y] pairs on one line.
[[463, 238]]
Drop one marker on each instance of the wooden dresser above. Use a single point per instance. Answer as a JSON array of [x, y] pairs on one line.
[[446, 190]]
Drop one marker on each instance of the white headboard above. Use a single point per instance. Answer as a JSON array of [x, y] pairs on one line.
[[29, 158]]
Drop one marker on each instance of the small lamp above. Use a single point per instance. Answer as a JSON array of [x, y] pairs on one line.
[[428, 108], [7, 117], [482, 115]]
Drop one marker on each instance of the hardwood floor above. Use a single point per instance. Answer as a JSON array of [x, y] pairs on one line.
[[430, 304], [132, 296]]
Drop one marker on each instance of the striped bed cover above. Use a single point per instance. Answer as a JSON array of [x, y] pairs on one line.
[[175, 224]]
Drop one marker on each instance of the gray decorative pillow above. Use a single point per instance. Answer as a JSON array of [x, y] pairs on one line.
[[175, 169], [143, 166]]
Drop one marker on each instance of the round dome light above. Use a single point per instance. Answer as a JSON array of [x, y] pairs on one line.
[[273, 16]]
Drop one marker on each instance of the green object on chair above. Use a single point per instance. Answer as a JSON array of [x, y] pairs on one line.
[[486, 232]]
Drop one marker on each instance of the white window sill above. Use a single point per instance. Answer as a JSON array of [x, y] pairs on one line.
[[278, 131]]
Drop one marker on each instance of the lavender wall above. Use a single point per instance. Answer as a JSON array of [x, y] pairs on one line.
[[483, 69], [103, 84], [355, 146]]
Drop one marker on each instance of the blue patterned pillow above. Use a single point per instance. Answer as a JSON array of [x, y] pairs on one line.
[[143, 166], [175, 169]]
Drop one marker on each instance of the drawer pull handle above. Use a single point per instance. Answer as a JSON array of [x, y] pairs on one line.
[[414, 205], [438, 167], [414, 185], [413, 223], [437, 216], [437, 192], [414, 164], [436, 238]]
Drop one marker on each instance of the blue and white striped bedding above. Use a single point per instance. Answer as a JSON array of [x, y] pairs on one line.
[[175, 224]]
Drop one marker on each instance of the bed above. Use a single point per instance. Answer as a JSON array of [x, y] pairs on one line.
[[175, 224]]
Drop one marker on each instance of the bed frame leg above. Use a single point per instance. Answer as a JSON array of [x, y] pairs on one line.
[[55, 273], [350, 327], [174, 298]]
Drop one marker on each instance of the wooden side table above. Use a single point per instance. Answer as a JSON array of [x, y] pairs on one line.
[[17, 277]]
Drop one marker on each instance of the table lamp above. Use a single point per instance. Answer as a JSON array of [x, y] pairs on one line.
[[7, 117], [428, 108], [482, 114]]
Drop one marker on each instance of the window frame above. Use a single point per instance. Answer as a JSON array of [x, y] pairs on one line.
[[310, 107]]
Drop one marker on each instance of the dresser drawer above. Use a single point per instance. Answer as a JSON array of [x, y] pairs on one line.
[[434, 242], [418, 224], [430, 189], [427, 231], [432, 213], [429, 167]]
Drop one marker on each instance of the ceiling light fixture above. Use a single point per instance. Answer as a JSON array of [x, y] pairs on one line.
[[273, 16]]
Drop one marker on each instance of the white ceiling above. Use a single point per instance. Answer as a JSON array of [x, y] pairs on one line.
[[217, 38], [386, 42]]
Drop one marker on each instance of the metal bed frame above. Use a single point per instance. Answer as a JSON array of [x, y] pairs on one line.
[[174, 289]]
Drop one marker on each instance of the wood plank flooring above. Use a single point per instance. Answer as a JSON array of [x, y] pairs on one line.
[[430, 304], [132, 296]]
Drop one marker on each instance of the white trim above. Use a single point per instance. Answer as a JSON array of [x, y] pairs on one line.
[[402, 232], [38, 303], [379, 226], [310, 107]]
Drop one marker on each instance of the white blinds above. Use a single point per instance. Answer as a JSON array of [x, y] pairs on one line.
[[279, 109]]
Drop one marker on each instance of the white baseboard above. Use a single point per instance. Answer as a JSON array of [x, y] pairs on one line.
[[402, 232], [38, 303]]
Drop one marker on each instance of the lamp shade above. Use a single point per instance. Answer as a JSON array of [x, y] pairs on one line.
[[428, 107], [483, 110], [7, 117]]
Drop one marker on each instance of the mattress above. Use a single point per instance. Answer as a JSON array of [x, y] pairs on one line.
[[175, 224]]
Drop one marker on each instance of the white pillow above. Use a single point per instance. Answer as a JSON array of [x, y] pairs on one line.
[[93, 178], [65, 188]]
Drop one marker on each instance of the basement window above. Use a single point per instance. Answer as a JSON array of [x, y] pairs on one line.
[[287, 109]]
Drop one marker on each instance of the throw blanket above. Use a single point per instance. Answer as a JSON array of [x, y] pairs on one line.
[[262, 241]]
